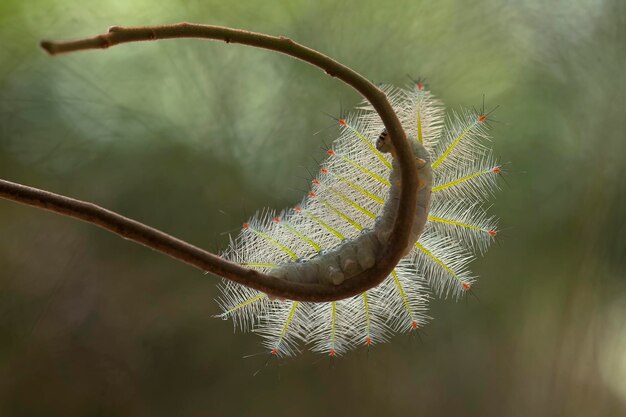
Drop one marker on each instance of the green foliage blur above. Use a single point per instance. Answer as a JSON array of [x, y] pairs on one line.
[[192, 137]]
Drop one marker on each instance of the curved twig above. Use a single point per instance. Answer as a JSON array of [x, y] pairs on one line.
[[200, 258]]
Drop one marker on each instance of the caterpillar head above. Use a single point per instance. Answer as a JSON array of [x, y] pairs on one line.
[[383, 143]]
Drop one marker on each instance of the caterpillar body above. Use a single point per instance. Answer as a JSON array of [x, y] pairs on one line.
[[339, 228], [351, 257]]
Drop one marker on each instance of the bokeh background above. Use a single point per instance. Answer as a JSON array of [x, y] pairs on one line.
[[193, 137]]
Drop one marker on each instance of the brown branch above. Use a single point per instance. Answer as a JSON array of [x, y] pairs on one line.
[[200, 258]]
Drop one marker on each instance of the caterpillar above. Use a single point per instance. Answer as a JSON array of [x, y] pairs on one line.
[[339, 228], [350, 257]]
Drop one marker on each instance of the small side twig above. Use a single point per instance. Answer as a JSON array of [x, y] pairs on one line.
[[200, 258]]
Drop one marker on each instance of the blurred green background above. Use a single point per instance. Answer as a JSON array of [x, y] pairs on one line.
[[193, 137]]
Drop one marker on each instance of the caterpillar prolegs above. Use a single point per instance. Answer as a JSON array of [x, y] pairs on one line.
[[339, 228]]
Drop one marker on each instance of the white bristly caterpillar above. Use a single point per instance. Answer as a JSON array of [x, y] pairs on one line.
[[341, 226]]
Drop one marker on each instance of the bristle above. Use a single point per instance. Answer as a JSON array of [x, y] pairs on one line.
[[283, 326], [335, 325], [471, 181], [462, 140], [407, 300], [419, 111], [443, 263], [241, 304], [468, 224]]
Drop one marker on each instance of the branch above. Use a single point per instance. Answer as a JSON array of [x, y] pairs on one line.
[[206, 261]]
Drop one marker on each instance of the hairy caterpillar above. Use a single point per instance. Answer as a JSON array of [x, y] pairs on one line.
[[339, 227]]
